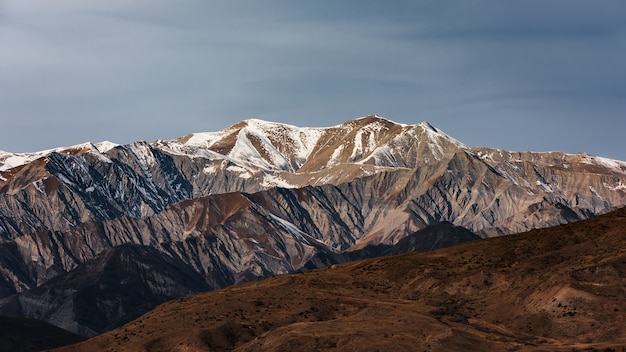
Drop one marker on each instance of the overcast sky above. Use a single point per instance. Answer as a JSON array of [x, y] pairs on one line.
[[518, 75]]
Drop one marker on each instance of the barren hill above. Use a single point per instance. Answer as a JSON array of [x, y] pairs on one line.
[[555, 289]]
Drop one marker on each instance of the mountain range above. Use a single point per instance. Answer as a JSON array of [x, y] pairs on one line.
[[94, 235], [554, 289]]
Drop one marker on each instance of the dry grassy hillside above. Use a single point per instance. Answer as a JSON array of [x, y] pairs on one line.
[[557, 289]]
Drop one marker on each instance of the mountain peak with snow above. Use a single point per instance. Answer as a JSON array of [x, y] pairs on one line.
[[256, 144], [262, 198], [280, 154]]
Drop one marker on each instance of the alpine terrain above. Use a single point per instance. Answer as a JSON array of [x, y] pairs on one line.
[[94, 235]]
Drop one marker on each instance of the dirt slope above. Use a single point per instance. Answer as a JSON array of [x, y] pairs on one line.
[[557, 289]]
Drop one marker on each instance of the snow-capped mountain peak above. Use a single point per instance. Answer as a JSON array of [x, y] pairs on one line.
[[216, 195], [271, 153]]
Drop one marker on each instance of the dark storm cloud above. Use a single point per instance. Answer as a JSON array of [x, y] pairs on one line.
[[527, 75]]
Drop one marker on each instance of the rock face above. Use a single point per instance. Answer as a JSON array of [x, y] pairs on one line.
[[259, 199]]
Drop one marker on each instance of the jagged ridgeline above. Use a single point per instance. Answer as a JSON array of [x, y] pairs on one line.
[[78, 225]]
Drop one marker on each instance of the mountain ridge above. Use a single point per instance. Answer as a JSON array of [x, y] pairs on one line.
[[249, 202]]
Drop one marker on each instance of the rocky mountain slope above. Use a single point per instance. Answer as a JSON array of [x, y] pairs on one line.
[[61, 188], [259, 199], [556, 289]]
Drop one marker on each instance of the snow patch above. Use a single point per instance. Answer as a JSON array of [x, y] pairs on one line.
[[144, 156], [612, 164], [304, 138], [366, 172], [245, 152], [64, 179], [105, 146], [39, 186], [513, 166], [357, 151], [507, 176], [370, 132], [272, 180], [210, 169], [15, 160], [382, 156], [12, 160], [618, 187], [306, 142], [334, 158], [292, 229], [545, 186], [436, 135], [243, 172], [202, 139], [594, 192]]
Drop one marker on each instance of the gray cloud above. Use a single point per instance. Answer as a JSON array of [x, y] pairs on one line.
[[529, 75]]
